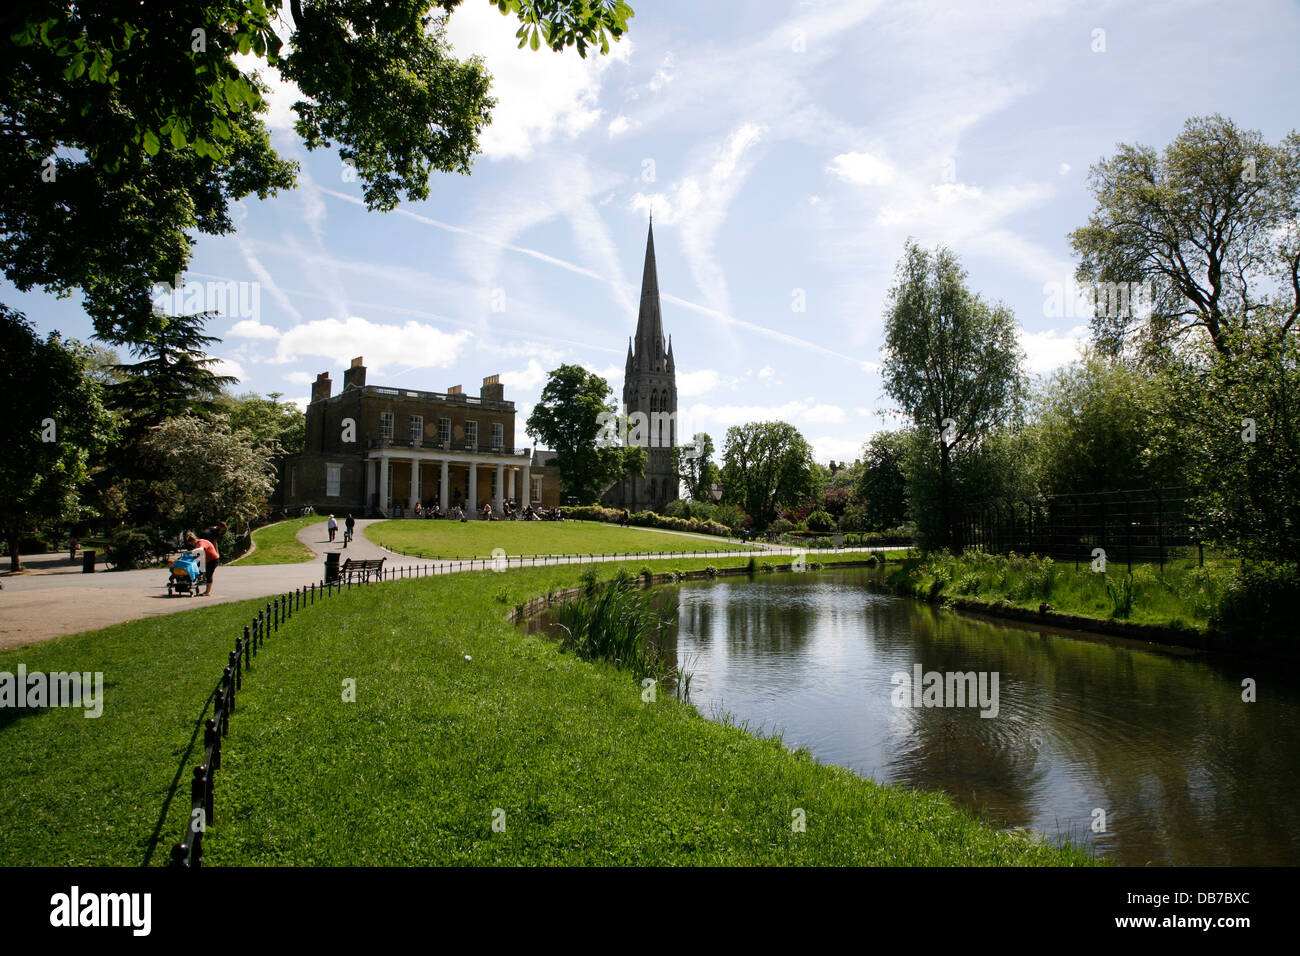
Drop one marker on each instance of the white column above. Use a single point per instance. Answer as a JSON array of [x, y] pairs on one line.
[[501, 489], [527, 496], [415, 485], [444, 501], [383, 485], [473, 489]]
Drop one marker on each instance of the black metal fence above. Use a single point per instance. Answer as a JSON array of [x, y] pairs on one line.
[[278, 612], [1146, 525]]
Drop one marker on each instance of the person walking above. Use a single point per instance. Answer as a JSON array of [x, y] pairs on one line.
[[348, 527], [209, 557], [333, 527]]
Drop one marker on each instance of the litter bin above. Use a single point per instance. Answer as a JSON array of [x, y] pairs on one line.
[[87, 562], [331, 567]]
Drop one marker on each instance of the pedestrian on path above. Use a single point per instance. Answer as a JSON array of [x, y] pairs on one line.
[[209, 557], [333, 527], [349, 525]]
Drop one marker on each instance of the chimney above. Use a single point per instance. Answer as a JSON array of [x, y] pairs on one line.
[[454, 390], [355, 376], [493, 390], [320, 389]]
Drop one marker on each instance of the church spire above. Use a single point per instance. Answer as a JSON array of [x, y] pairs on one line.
[[649, 324]]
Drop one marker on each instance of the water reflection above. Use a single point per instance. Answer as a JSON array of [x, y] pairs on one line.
[[1185, 771]]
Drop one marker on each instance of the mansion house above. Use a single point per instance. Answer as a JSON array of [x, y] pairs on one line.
[[370, 449]]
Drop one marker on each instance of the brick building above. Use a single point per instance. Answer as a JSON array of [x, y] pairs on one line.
[[370, 448]]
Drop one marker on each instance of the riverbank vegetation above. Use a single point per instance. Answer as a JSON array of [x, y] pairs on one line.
[[1222, 597]]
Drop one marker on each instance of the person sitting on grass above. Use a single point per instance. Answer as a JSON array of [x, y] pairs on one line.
[[208, 557]]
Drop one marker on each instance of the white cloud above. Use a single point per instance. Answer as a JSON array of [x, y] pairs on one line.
[[766, 372], [1063, 169], [837, 448], [413, 344], [862, 169], [528, 378], [697, 383], [252, 329], [539, 93], [300, 378], [1050, 349], [698, 203], [619, 125]]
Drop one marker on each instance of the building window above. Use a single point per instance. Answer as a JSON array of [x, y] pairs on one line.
[[444, 430], [537, 489], [417, 429], [333, 476], [498, 436], [471, 434], [386, 425]]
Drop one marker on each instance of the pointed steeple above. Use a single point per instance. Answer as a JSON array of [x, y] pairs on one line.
[[649, 324], [629, 354], [672, 366]]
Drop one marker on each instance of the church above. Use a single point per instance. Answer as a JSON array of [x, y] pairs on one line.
[[650, 397]]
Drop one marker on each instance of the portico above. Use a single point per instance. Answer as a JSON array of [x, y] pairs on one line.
[[406, 476]]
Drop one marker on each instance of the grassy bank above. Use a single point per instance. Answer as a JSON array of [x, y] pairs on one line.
[[457, 716], [1181, 596], [278, 543], [450, 539]]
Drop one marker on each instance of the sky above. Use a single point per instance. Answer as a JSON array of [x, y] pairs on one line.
[[788, 150]]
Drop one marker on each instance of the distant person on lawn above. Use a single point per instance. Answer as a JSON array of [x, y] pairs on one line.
[[333, 527], [209, 557]]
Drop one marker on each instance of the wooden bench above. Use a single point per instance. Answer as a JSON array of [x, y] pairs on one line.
[[362, 569]]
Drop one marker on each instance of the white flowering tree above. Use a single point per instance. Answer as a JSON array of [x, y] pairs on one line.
[[213, 471]]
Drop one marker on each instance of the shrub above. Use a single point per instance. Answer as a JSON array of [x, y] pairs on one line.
[[132, 547], [820, 520], [1263, 596], [781, 526]]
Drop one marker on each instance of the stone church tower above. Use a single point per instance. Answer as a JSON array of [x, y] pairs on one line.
[[650, 400]]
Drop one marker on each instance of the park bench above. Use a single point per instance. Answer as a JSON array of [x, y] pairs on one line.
[[363, 568]]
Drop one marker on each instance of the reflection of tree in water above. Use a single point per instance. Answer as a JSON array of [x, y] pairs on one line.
[[1168, 747]]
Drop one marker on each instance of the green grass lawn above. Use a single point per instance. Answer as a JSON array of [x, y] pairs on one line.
[[449, 539], [434, 748], [277, 543]]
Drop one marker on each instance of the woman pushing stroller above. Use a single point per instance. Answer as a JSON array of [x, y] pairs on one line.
[[207, 554]]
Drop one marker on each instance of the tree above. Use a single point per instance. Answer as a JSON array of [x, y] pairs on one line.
[[1235, 423], [173, 377], [1096, 424], [572, 417], [766, 467], [1211, 224], [269, 422], [882, 485], [951, 361], [54, 422], [211, 471], [696, 469], [129, 127]]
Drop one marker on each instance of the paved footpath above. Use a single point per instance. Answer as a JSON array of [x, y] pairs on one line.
[[45, 605]]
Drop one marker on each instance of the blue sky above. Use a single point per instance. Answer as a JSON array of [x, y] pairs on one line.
[[788, 150]]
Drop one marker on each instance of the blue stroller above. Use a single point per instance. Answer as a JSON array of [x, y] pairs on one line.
[[186, 575]]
